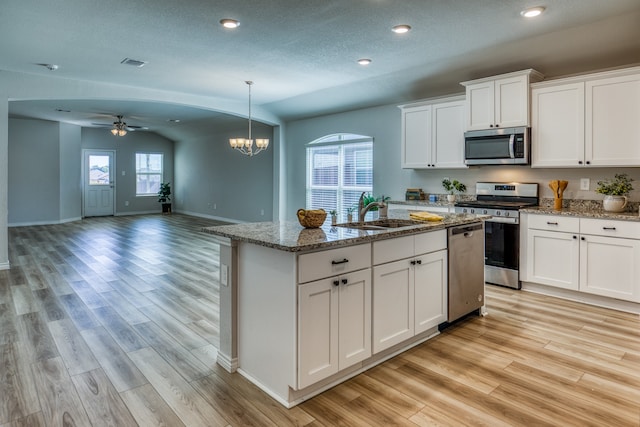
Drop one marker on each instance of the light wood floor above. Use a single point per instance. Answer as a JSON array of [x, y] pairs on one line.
[[113, 321]]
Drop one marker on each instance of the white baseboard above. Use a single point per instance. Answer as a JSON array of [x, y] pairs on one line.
[[217, 218], [4, 265], [229, 364], [586, 298], [30, 223]]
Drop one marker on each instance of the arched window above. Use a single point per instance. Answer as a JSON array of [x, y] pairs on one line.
[[339, 169]]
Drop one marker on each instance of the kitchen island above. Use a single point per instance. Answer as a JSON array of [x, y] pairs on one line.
[[302, 310]]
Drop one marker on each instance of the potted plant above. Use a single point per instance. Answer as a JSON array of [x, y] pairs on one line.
[[350, 211], [453, 187], [164, 197], [615, 192], [334, 216]]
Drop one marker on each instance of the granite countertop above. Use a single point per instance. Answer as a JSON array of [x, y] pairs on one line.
[[292, 237], [597, 213]]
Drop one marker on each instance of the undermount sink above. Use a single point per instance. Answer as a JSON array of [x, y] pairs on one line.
[[380, 224]]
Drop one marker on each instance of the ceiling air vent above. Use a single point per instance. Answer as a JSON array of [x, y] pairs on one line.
[[134, 62]]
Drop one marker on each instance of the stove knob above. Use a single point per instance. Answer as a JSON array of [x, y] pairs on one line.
[[472, 210], [497, 213], [484, 211], [507, 213], [464, 210]]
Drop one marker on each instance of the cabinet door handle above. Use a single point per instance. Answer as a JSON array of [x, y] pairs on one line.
[[588, 162], [419, 261], [340, 262], [551, 223], [575, 237], [413, 262], [344, 281], [608, 228], [582, 238], [336, 283], [579, 162]]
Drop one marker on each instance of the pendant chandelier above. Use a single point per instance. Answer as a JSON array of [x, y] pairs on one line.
[[245, 145], [119, 127]]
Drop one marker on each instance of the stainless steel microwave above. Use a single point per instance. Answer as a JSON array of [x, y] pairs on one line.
[[501, 146]]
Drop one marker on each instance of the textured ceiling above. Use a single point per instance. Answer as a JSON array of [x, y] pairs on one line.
[[302, 54]]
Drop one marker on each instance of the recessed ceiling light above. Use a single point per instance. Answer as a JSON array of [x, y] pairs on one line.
[[230, 23], [401, 29], [174, 120], [61, 110], [532, 12], [364, 61]]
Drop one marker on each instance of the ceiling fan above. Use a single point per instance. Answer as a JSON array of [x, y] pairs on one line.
[[120, 128]]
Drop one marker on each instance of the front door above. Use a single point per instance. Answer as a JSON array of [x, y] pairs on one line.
[[98, 183]]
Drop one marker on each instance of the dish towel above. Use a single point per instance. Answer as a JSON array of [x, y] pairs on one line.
[[425, 216]]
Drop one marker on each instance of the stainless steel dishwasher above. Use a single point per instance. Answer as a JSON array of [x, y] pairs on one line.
[[466, 270]]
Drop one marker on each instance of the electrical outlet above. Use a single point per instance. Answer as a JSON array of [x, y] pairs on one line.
[[126, 203], [215, 206], [262, 212], [584, 184]]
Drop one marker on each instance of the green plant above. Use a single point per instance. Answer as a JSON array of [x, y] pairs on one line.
[[620, 185], [367, 199], [333, 212], [164, 195], [351, 209], [453, 186]]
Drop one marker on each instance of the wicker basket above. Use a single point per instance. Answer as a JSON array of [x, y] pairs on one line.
[[311, 218]]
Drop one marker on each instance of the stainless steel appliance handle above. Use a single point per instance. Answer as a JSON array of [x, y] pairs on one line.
[[504, 220], [512, 143]]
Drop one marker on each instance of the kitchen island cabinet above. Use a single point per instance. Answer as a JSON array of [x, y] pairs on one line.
[[300, 319]]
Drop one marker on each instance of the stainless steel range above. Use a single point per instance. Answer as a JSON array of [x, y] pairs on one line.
[[502, 231]]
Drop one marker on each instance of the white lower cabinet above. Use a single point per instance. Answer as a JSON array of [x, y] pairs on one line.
[[409, 297], [596, 256], [554, 258], [334, 325], [610, 266]]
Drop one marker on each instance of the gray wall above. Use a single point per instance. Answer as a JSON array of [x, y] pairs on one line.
[[383, 124], [212, 180], [70, 174], [126, 148], [45, 176], [34, 171]]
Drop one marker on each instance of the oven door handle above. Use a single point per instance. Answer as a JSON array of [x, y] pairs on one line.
[[512, 144], [503, 220]]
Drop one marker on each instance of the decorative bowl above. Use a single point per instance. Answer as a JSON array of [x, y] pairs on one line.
[[311, 218]]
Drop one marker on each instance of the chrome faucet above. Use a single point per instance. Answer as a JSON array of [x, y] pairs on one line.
[[362, 209]]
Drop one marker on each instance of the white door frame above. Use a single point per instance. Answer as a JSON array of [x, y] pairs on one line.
[[112, 174]]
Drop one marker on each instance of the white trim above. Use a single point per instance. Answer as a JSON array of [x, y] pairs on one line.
[[218, 218], [229, 364], [4, 265], [27, 224], [585, 298]]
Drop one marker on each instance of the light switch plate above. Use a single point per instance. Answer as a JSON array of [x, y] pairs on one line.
[[584, 184], [224, 275]]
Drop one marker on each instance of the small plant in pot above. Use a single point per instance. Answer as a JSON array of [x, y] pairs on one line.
[[164, 197], [453, 187], [615, 192]]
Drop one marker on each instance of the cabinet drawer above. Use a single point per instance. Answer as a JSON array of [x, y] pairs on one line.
[[430, 242], [318, 265], [393, 249], [554, 223], [605, 227]]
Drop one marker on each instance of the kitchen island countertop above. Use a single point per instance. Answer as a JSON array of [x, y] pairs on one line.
[[292, 237]]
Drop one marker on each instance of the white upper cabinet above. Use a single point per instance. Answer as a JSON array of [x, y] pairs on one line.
[[499, 101], [586, 121], [612, 135], [557, 125], [433, 135]]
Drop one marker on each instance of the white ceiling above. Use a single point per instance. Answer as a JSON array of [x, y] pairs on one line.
[[300, 54]]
